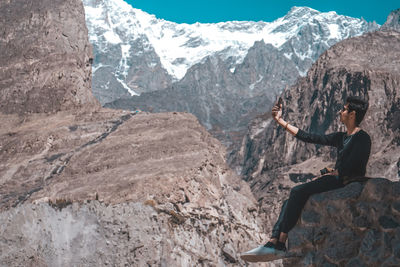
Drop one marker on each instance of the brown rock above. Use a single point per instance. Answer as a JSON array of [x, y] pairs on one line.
[[45, 60]]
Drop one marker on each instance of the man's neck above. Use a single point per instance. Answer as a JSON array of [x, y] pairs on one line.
[[352, 129]]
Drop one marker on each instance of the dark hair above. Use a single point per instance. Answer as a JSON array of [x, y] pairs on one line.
[[359, 105]]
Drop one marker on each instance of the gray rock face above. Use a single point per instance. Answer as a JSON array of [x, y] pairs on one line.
[[45, 61], [124, 62], [224, 102], [392, 22], [133, 234], [137, 74], [357, 225]]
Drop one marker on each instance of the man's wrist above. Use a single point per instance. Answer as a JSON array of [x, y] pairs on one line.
[[286, 125], [281, 121]]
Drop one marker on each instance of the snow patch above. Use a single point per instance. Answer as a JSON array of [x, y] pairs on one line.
[[127, 87], [123, 65], [93, 12], [334, 31], [288, 56], [112, 38]]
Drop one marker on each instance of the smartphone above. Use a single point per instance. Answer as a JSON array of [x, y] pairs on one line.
[[280, 102]]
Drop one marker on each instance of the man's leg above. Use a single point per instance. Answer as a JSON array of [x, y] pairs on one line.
[[299, 196], [276, 231], [290, 213]]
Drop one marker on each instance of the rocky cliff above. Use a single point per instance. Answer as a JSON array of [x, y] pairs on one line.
[[358, 225], [45, 60], [81, 185]]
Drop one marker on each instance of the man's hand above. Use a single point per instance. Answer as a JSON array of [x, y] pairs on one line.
[[277, 112], [326, 171], [277, 115]]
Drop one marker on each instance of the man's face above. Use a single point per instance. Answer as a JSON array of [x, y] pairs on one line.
[[345, 115]]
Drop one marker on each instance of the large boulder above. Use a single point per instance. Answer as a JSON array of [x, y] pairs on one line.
[[358, 225]]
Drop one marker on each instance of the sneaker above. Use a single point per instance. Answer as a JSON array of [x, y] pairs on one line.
[[268, 252]]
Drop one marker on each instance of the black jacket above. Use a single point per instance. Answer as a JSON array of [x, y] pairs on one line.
[[353, 151]]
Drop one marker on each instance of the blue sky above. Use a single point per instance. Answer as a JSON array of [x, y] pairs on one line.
[[211, 11]]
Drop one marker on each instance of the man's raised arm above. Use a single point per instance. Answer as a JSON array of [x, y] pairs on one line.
[[329, 140]]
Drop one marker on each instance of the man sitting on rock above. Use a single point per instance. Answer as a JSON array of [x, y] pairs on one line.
[[353, 150]]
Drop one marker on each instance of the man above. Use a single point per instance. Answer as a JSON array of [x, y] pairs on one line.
[[353, 150]]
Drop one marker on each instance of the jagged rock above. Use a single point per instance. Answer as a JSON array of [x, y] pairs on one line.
[[45, 60], [338, 239], [393, 21]]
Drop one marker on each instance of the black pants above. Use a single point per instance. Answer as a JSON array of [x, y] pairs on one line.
[[292, 207]]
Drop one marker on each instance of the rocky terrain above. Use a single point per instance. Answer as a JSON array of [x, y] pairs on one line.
[[86, 186], [357, 225], [220, 99]]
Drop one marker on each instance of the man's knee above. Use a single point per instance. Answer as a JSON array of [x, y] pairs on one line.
[[298, 191]]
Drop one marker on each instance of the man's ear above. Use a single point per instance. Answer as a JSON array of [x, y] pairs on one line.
[[353, 114]]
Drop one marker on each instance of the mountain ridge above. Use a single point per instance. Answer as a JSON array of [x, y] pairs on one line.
[[180, 46]]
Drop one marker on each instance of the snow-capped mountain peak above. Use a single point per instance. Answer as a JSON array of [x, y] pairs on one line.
[[115, 25]]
